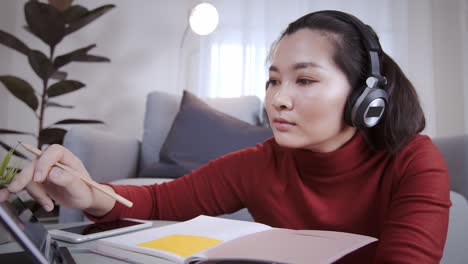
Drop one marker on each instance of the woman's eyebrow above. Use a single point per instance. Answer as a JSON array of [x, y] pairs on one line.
[[302, 65], [273, 68], [298, 66]]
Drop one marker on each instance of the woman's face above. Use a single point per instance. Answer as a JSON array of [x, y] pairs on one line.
[[307, 94]]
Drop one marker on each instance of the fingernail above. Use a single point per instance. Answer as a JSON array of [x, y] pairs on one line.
[[38, 176], [48, 207]]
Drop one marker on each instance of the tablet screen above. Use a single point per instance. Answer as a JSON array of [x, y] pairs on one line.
[[28, 231], [100, 227]]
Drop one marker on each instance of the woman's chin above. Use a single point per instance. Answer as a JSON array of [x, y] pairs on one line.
[[288, 141]]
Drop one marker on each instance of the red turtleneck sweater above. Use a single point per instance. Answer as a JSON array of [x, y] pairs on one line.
[[402, 200]]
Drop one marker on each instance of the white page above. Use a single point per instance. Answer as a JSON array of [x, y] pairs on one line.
[[288, 246], [204, 226]]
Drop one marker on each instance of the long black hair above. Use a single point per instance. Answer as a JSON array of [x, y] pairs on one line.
[[403, 117]]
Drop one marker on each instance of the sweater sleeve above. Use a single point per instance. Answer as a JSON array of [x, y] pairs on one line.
[[416, 226], [219, 187]]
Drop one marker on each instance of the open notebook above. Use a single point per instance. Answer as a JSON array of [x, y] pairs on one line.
[[207, 239]]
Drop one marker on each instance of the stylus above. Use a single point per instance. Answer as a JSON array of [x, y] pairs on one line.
[[86, 180]]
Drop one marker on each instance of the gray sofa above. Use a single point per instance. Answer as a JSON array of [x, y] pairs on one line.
[[102, 154]]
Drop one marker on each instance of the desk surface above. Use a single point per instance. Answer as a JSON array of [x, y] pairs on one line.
[[80, 251]]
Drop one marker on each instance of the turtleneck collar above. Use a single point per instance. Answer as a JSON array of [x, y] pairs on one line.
[[344, 159]]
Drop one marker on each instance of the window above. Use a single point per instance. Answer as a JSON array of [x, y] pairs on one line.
[[236, 69]]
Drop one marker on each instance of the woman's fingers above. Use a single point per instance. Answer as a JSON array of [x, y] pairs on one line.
[[45, 182], [39, 194], [23, 178], [60, 177], [4, 193], [53, 154]]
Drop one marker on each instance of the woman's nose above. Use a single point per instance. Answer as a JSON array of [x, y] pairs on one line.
[[282, 99]]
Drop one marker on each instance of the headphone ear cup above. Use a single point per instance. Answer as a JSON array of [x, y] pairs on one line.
[[353, 97], [370, 110]]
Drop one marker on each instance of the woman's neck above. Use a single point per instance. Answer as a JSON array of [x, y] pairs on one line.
[[334, 142]]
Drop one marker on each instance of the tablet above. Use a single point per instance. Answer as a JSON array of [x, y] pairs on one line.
[[28, 232], [91, 231]]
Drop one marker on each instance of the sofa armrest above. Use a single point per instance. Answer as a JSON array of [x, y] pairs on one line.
[[107, 157], [455, 152], [456, 245]]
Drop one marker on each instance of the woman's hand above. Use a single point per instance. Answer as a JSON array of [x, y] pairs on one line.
[[45, 182]]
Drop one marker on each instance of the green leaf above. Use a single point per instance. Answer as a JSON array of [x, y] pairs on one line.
[[78, 121], [7, 131], [21, 89], [10, 173], [15, 152], [88, 18], [12, 42], [78, 55], [53, 104], [45, 22], [62, 60], [6, 161], [51, 136], [64, 87], [41, 65], [74, 12], [16, 167], [93, 58], [9, 176], [59, 75]]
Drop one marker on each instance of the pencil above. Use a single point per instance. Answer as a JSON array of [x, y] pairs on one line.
[[90, 182]]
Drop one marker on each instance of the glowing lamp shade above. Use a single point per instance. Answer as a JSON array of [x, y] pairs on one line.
[[203, 19]]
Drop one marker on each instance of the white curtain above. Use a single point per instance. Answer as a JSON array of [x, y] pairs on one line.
[[231, 61]]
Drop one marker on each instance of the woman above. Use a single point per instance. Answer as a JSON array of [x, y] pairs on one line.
[[345, 156]]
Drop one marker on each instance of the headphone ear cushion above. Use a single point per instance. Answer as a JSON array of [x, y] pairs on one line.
[[355, 93]]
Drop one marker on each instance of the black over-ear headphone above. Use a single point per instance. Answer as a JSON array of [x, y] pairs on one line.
[[366, 104]]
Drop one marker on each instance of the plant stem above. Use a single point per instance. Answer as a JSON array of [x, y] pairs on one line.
[[41, 113], [52, 49], [43, 100]]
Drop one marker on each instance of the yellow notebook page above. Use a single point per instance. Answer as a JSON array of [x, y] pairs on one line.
[[182, 245]]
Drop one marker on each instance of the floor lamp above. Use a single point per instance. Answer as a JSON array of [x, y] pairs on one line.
[[203, 20]]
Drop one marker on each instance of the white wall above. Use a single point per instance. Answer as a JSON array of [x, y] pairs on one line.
[[448, 67], [420, 63], [142, 41], [7, 20], [464, 33]]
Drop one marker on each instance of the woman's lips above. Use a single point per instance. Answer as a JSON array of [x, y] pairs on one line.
[[282, 124]]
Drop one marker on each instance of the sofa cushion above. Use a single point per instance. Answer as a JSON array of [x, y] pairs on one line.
[[161, 169], [200, 133], [162, 108]]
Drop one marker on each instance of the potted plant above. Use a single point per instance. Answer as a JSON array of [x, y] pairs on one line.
[[7, 174], [50, 22]]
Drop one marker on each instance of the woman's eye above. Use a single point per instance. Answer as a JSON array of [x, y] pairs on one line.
[[273, 82], [305, 81]]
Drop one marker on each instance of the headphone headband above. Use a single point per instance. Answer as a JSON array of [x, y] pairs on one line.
[[371, 40]]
